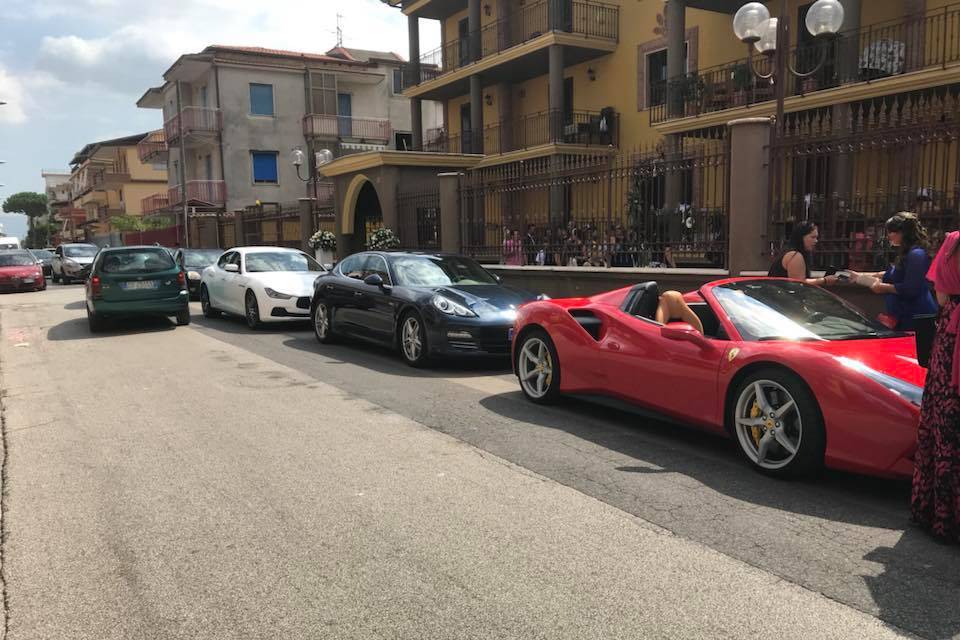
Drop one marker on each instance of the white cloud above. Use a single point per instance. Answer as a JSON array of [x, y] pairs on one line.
[[13, 93]]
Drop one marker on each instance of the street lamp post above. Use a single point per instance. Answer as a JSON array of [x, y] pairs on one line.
[[753, 25]]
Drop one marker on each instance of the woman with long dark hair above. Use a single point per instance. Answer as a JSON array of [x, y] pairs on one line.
[[794, 261], [904, 284], [935, 502]]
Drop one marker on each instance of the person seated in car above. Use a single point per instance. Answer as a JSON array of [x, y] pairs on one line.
[[672, 307]]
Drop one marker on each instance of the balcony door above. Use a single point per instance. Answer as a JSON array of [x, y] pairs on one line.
[[345, 115], [463, 38], [466, 133]]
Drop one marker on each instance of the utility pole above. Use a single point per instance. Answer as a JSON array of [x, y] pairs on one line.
[[183, 170]]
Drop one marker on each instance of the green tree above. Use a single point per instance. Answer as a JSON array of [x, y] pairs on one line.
[[33, 205]]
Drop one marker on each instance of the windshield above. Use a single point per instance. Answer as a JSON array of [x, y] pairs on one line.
[[136, 261], [42, 254], [281, 261], [199, 259], [790, 310], [17, 259], [80, 250], [433, 271]]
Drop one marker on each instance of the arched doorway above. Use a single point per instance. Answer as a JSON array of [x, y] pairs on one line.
[[368, 216]]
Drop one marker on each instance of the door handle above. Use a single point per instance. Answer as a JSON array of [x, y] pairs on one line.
[[357, 294], [240, 285]]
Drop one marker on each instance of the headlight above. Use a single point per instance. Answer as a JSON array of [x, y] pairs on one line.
[[907, 391], [451, 308], [276, 294], [193, 275]]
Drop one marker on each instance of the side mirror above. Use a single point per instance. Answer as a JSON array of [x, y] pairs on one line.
[[374, 280], [683, 332], [232, 268], [498, 278]]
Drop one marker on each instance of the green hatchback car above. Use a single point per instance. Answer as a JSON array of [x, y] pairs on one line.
[[136, 281]]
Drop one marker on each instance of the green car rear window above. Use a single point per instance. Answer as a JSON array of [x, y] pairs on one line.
[[136, 261]]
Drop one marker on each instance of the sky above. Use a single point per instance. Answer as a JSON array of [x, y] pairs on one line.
[[71, 70]]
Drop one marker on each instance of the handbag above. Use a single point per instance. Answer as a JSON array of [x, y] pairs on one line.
[[925, 327]]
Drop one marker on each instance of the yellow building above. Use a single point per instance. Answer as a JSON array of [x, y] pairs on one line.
[[108, 179]]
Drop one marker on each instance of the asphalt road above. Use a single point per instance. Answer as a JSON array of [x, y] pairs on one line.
[[214, 482]]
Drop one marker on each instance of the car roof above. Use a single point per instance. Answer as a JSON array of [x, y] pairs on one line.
[[412, 254], [133, 246], [259, 249]]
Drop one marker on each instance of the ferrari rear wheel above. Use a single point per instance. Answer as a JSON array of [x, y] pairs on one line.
[[777, 424], [538, 368]]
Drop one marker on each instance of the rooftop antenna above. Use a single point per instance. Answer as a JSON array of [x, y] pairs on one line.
[[339, 31]]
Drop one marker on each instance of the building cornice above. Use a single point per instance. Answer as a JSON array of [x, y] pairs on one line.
[[374, 159]]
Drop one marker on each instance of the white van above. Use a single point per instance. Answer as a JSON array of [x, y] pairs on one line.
[[9, 242]]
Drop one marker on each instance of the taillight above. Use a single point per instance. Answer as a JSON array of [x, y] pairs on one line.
[[95, 288], [182, 280]]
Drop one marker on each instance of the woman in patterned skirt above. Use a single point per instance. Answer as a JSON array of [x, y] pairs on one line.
[[935, 503]]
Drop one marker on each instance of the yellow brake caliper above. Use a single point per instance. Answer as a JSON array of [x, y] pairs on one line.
[[756, 432]]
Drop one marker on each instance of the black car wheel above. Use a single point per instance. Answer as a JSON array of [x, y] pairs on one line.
[[413, 340], [94, 321], [776, 422], [208, 310], [183, 318], [55, 278], [538, 367], [323, 323], [252, 311]]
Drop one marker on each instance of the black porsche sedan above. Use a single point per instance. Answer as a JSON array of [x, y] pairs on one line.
[[425, 305]]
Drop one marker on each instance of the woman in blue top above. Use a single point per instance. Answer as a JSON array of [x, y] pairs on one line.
[[904, 284]]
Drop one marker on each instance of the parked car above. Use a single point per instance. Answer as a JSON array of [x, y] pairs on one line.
[[45, 259], [9, 242], [796, 376], [19, 271], [426, 304], [194, 261], [136, 281], [72, 262], [262, 284]]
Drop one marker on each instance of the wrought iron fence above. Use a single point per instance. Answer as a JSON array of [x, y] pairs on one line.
[[868, 53], [849, 170], [272, 224], [654, 207], [419, 219]]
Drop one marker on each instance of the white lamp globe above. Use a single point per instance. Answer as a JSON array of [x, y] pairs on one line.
[[322, 157], [749, 20], [768, 37], [825, 18]]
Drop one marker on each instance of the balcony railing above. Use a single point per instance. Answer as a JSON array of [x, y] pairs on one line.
[[867, 54], [593, 20], [153, 147], [347, 128], [193, 120], [107, 178], [204, 192], [155, 203]]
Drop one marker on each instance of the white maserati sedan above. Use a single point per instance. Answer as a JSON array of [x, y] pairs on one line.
[[262, 284]]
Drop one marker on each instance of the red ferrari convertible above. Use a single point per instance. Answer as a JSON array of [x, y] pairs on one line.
[[795, 375]]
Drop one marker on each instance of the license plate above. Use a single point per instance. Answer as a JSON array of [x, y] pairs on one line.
[[134, 286], [28, 281]]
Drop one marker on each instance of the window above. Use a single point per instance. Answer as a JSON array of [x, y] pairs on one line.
[[376, 265], [203, 96], [324, 90], [225, 258], [261, 99], [352, 267], [404, 141], [265, 167], [657, 76], [397, 81]]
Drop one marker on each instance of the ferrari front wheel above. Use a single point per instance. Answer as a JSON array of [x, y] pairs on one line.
[[538, 368], [778, 425]]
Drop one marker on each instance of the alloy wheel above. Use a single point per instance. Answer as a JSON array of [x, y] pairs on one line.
[[410, 339], [535, 368], [253, 313], [768, 424], [321, 321]]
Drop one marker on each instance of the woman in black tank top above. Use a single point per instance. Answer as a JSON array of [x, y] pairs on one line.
[[794, 261]]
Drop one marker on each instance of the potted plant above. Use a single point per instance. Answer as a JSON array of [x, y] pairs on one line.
[[324, 243], [383, 239], [742, 78]]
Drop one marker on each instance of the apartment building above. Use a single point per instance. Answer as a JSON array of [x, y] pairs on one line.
[[59, 202], [109, 179], [233, 115], [643, 91]]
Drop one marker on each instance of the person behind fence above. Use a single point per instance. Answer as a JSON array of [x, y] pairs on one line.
[[530, 245], [904, 284], [794, 261], [935, 500], [513, 249]]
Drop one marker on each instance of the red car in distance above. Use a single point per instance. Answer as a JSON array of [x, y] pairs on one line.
[[19, 271], [795, 375]]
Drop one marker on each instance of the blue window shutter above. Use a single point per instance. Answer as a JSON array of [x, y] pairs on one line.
[[265, 167], [261, 99]]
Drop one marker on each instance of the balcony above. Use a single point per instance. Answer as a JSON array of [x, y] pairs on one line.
[[582, 128], [866, 56], [193, 120], [333, 127], [107, 178], [208, 193], [587, 30], [153, 148], [154, 204]]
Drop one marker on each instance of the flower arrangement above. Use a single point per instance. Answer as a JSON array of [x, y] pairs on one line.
[[383, 239], [325, 240]]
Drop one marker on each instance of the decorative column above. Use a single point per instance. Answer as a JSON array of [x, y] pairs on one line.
[[416, 107], [676, 17], [849, 69], [449, 212], [749, 185], [476, 114]]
